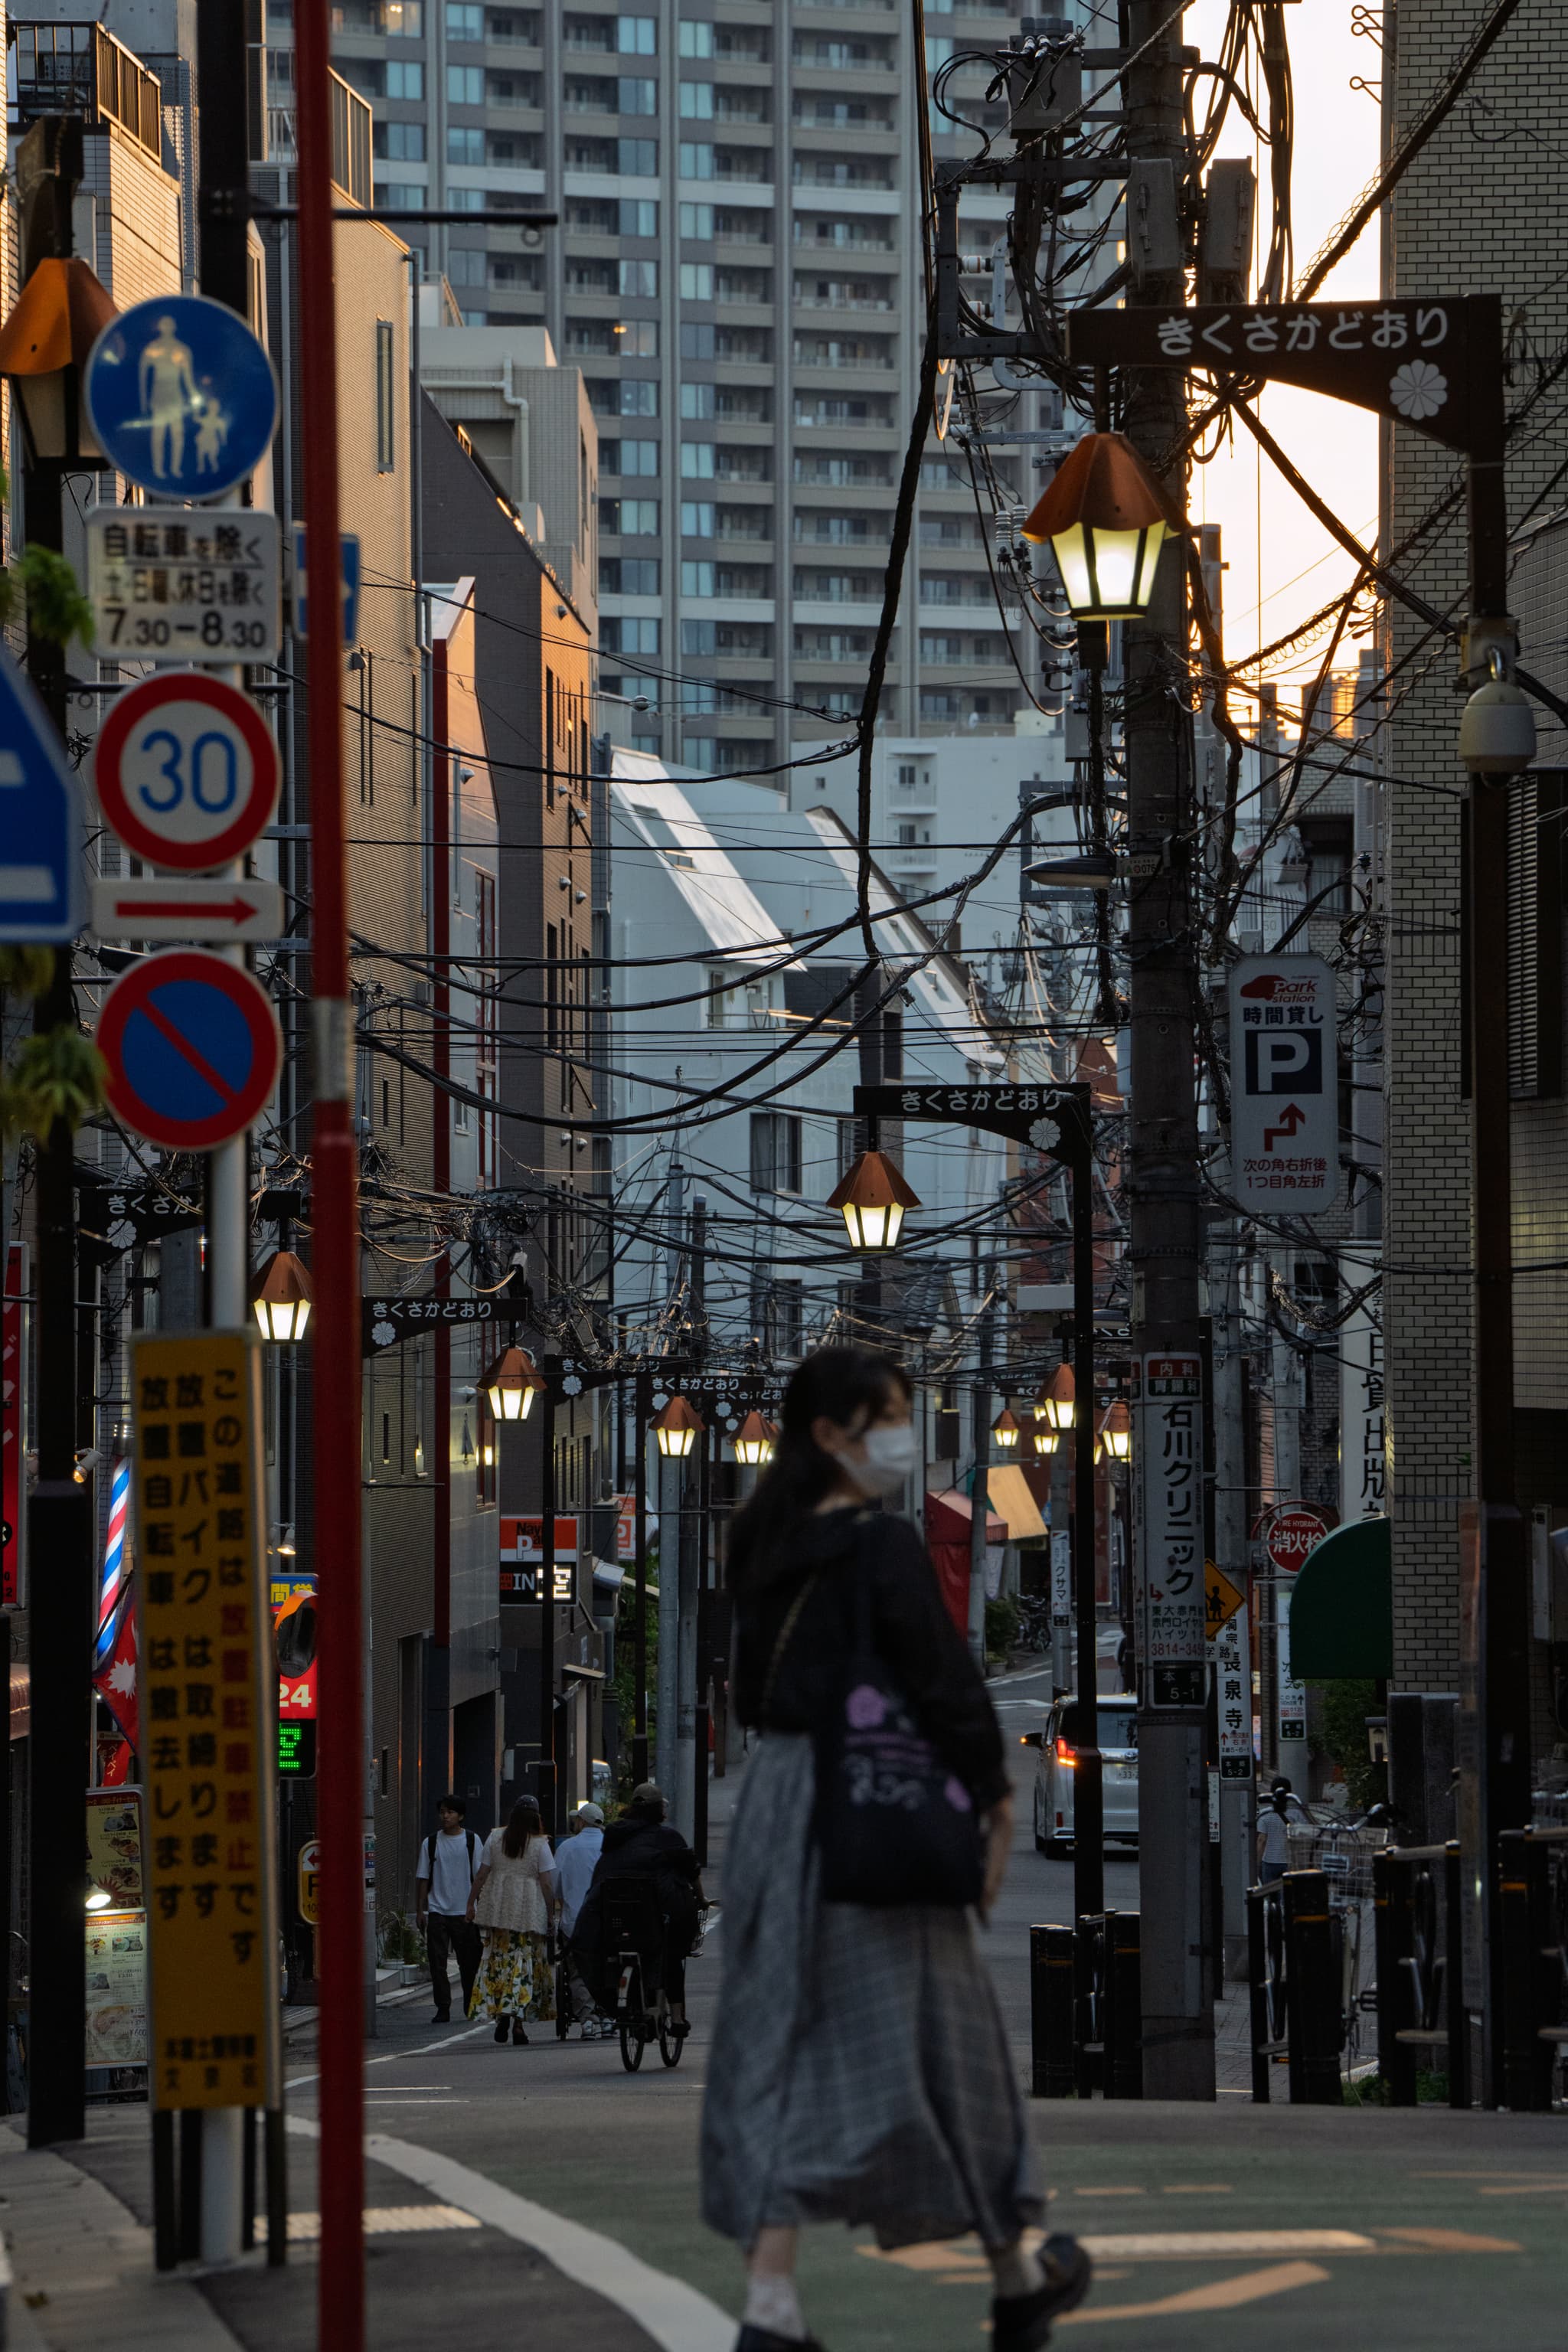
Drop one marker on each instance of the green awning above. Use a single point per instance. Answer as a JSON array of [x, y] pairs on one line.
[[1342, 1611]]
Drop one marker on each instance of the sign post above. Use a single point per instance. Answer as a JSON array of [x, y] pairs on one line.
[[208, 1702]]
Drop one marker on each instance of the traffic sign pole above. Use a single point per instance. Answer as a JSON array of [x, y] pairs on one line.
[[336, 1389]]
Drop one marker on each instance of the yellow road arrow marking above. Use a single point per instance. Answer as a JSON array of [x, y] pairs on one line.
[[1220, 2294]]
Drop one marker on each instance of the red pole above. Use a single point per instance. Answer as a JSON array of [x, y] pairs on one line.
[[336, 1401]]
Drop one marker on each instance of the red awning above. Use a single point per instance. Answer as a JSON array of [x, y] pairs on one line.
[[948, 1516]]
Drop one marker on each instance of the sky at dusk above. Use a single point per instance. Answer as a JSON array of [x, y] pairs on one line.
[[1283, 566]]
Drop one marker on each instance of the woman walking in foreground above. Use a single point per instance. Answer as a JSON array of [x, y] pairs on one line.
[[859, 2071]]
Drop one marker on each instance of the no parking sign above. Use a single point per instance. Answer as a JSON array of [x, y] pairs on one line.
[[193, 1049]]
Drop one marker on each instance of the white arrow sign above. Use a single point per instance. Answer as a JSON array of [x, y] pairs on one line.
[[170, 906]]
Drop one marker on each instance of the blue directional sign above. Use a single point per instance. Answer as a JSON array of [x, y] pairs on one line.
[[42, 887], [350, 586], [182, 396]]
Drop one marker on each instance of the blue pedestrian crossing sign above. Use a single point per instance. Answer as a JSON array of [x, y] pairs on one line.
[[182, 396], [42, 886]]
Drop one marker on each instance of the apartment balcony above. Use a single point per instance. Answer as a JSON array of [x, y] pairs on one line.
[[817, 57], [805, 300], [828, 172]]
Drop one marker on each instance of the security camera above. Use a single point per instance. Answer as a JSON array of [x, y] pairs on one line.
[[561, 612]]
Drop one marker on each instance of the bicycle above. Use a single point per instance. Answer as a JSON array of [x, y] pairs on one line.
[[634, 1926]]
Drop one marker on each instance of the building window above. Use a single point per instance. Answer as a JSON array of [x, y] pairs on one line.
[[632, 518], [696, 161], [633, 458], [465, 85], [637, 37], [697, 102], [400, 143], [465, 21], [629, 575], [696, 38], [640, 279], [466, 267], [775, 1151], [697, 460], [699, 580], [629, 633], [386, 397], [638, 94], [638, 217], [463, 146], [636, 158], [697, 518], [696, 339], [406, 79], [697, 281], [697, 220]]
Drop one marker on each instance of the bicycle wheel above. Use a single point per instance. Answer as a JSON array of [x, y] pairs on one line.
[[670, 2045], [634, 2038]]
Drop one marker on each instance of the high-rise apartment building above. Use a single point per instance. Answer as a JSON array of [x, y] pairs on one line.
[[738, 272]]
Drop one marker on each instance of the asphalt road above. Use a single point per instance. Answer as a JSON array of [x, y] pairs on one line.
[[1407, 2232]]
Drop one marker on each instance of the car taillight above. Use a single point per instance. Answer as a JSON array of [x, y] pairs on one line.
[[1066, 1752]]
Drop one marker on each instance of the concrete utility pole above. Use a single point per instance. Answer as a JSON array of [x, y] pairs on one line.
[[1162, 1159]]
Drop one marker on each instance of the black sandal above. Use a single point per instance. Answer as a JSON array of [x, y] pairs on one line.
[[501, 2028], [1022, 2323], [516, 2031]]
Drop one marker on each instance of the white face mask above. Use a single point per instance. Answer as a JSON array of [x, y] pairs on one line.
[[889, 1458]]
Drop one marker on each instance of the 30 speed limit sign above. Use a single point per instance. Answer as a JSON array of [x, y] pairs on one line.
[[187, 770]]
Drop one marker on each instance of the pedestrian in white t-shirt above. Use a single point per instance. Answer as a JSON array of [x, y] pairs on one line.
[[443, 1882]]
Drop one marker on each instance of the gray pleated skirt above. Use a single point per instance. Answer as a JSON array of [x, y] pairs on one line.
[[859, 2072]]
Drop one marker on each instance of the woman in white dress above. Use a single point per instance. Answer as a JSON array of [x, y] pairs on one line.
[[513, 1894]]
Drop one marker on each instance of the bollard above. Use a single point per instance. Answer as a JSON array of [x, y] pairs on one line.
[[1458, 2019], [1312, 1992], [1089, 2046], [1121, 2007], [1392, 1929], [1051, 1967], [1258, 1980], [1522, 1905]]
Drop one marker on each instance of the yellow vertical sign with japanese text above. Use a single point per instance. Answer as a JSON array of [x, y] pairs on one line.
[[208, 1695]]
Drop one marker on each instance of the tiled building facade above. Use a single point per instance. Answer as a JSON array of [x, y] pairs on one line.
[[1467, 218]]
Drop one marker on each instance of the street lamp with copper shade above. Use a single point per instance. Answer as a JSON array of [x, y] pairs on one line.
[[1105, 518], [1116, 1432], [1004, 1430], [1056, 1403], [677, 1427], [753, 1445], [873, 1196], [511, 1383], [282, 1297]]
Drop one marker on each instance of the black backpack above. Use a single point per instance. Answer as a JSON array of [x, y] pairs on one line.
[[428, 1854]]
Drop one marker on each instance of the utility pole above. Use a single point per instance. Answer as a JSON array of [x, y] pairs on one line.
[[688, 1561], [60, 1513], [979, 1497], [1162, 1159]]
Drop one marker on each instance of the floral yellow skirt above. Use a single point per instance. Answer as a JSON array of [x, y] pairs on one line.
[[515, 1977]]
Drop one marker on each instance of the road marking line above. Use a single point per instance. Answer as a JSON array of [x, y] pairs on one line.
[[678, 2319], [395, 2057], [1454, 2241], [388, 2220], [1221, 2294], [1225, 2245]]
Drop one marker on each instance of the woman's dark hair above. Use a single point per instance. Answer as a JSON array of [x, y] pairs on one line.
[[524, 1822], [851, 1387]]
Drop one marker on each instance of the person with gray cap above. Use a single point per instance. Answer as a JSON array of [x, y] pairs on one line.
[[576, 1859]]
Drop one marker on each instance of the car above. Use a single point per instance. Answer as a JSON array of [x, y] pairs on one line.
[[1057, 1744]]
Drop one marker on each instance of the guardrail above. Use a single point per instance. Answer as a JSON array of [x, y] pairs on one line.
[[1087, 2008]]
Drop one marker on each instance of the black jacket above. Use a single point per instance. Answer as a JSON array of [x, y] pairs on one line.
[[639, 1848], [915, 1637]]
